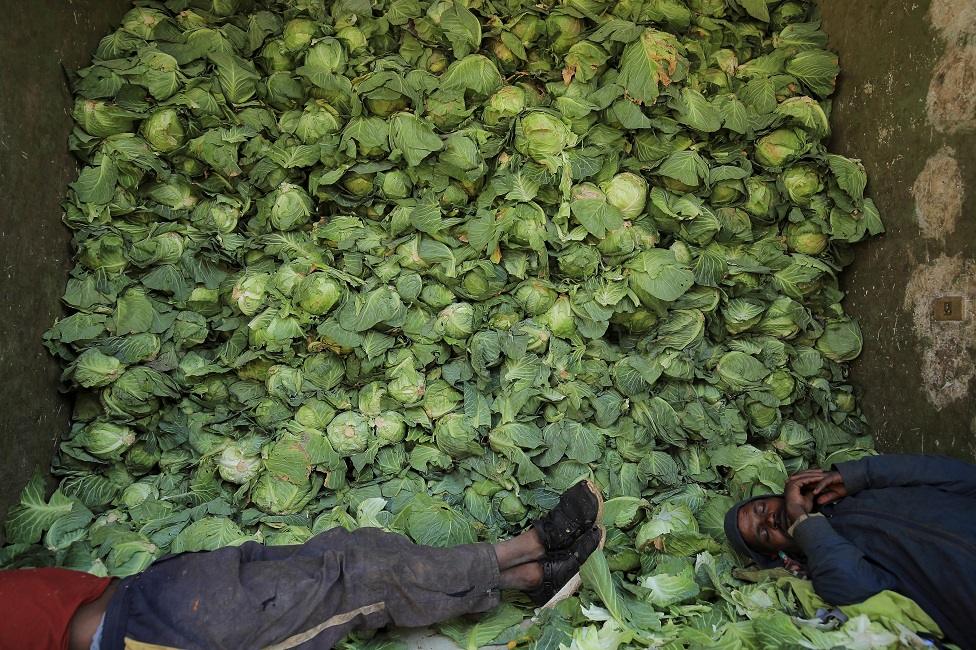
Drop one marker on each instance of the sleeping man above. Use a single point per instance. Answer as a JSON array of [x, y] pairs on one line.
[[902, 523], [307, 595]]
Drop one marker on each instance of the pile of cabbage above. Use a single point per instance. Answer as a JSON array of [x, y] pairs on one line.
[[423, 264]]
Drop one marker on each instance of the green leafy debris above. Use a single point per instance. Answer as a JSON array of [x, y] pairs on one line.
[[423, 264]]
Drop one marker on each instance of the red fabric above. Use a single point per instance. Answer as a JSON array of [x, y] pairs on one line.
[[37, 605]]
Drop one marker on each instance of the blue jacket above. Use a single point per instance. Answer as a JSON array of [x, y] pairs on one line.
[[908, 524]]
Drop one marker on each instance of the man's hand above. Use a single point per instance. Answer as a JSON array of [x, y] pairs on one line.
[[799, 493], [794, 567], [830, 488], [807, 473]]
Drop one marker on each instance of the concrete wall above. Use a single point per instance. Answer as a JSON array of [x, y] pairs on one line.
[[37, 38], [906, 106]]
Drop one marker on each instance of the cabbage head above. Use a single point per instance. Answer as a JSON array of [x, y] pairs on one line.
[[298, 34], [440, 398], [389, 427], [457, 321], [536, 297], [802, 182], [511, 508], [559, 318], [318, 120], [142, 457], [780, 147], [249, 292], [286, 383], [541, 135], [506, 103], [349, 433], [94, 369], [315, 414], [806, 237], [276, 496], [289, 207], [841, 340], [318, 293], [407, 385], [454, 436], [138, 493], [628, 193], [235, 466], [323, 370], [105, 440]]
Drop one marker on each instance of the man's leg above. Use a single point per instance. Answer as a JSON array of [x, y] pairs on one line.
[[524, 577], [316, 593], [518, 561], [525, 548]]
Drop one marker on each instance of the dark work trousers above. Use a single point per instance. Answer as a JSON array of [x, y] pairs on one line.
[[305, 596]]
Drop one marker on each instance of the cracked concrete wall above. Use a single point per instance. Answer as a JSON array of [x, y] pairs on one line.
[[905, 105], [37, 38]]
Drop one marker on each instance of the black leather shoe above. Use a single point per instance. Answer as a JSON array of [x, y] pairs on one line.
[[562, 567], [579, 509]]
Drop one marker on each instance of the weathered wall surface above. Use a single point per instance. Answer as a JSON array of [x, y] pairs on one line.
[[37, 38], [906, 106]]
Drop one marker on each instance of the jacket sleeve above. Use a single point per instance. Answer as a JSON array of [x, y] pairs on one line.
[[840, 573], [903, 470]]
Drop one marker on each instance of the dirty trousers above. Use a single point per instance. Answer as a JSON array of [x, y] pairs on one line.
[[307, 596]]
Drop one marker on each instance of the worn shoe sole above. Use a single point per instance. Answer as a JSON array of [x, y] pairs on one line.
[[557, 540], [592, 487]]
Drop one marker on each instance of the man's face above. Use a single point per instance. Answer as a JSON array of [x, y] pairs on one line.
[[763, 525]]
